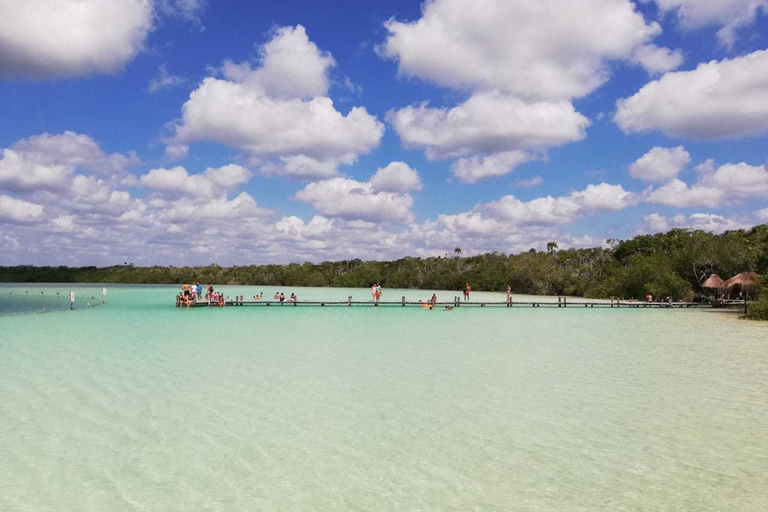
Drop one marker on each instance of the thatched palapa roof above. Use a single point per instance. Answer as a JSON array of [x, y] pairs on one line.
[[713, 282], [744, 280]]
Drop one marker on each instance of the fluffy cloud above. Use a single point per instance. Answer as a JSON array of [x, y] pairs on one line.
[[73, 150], [728, 184], [730, 15], [762, 215], [16, 210], [47, 162], [678, 193], [486, 48], [213, 182], [354, 200], [473, 169], [560, 210], [719, 99], [278, 112], [660, 164], [738, 181], [508, 110], [506, 224], [488, 123], [657, 60], [655, 223], [396, 177], [43, 38], [243, 206], [18, 173], [291, 66]]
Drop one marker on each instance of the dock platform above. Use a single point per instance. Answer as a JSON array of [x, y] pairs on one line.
[[563, 303]]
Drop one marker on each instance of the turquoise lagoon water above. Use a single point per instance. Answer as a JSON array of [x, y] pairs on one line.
[[137, 405]]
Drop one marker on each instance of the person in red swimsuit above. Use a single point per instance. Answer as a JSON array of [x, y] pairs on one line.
[[467, 289]]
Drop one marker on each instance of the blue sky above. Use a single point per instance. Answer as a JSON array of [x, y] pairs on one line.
[[193, 131]]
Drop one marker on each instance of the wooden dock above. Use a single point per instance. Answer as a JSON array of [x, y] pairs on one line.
[[457, 303]]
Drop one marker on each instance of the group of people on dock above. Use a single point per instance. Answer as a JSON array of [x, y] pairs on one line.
[[190, 294], [280, 297]]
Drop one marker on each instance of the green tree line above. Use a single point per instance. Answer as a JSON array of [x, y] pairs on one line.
[[668, 264]]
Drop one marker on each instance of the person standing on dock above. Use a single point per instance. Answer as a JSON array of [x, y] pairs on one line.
[[509, 294], [467, 289]]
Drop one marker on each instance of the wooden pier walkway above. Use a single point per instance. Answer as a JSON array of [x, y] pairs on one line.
[[564, 303]]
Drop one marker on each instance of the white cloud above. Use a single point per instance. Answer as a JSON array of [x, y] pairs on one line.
[[560, 210], [396, 177], [42, 38], [291, 66], [728, 14], [522, 63], [738, 181], [678, 193], [657, 59], [278, 112], [533, 181], [64, 223], [476, 168], [73, 150], [16, 210], [762, 215], [17, 173], [655, 223], [301, 167], [719, 99], [660, 164], [506, 224], [488, 123], [243, 206], [488, 47], [354, 200], [213, 182], [164, 80], [728, 184]]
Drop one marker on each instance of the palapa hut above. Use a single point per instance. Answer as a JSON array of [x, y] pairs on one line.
[[741, 283], [713, 282]]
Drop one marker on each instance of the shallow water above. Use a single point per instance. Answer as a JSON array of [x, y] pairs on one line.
[[137, 405]]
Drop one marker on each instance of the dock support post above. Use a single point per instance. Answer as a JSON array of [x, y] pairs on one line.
[[349, 300], [403, 300], [559, 301], [565, 301]]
